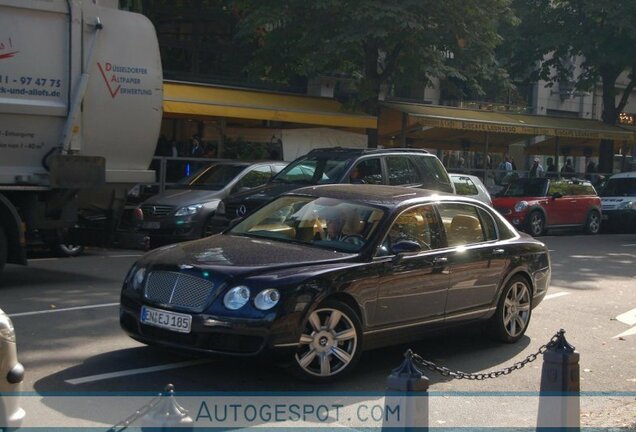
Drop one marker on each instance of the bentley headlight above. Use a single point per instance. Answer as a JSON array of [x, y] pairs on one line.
[[220, 209], [627, 205], [267, 299], [136, 278], [7, 332], [189, 210], [236, 298], [521, 206]]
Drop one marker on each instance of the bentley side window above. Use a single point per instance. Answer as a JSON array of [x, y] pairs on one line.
[[462, 224], [413, 230]]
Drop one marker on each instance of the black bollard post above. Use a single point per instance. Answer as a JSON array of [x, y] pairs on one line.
[[167, 415], [559, 401], [408, 410]]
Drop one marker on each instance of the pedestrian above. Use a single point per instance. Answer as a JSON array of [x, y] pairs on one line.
[[196, 150], [505, 168], [174, 149], [568, 170], [551, 169], [536, 171], [590, 171]]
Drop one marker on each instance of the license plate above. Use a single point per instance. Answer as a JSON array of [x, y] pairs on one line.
[[151, 225], [168, 320]]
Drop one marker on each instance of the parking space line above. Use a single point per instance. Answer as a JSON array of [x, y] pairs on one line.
[[43, 259], [20, 314], [124, 256], [111, 375], [555, 295]]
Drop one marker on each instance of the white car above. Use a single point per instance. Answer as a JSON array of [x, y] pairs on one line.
[[618, 201], [470, 186], [12, 375]]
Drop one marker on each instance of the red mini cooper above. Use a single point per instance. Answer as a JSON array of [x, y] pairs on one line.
[[537, 204]]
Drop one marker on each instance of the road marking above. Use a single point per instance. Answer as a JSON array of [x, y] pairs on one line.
[[555, 295], [630, 332], [20, 314], [124, 256], [43, 259], [628, 318], [101, 377], [629, 245]]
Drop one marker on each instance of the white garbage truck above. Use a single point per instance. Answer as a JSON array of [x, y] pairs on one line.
[[80, 114]]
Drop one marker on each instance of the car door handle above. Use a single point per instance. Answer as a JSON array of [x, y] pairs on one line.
[[498, 252], [440, 261]]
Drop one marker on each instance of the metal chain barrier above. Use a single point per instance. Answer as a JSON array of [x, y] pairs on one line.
[[140, 412], [419, 361]]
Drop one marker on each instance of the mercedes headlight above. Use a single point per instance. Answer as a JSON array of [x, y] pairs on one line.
[[189, 210], [521, 206], [236, 298], [7, 332], [267, 299], [627, 205], [220, 209]]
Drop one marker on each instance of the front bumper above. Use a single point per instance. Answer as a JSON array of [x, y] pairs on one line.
[[619, 220], [216, 335], [164, 231]]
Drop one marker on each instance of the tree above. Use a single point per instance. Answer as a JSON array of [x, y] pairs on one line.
[[601, 33], [375, 42]]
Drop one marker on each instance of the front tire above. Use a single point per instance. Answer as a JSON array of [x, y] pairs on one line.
[[513, 313], [593, 223], [536, 224], [330, 343]]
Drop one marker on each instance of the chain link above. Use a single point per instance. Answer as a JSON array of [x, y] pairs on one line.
[[140, 412], [419, 361]]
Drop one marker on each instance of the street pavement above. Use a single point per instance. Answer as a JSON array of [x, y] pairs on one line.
[[66, 318]]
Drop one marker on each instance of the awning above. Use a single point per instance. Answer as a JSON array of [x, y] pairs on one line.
[[202, 101], [464, 127]]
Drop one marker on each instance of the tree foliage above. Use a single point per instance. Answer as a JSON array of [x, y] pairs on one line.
[[554, 32], [375, 42]]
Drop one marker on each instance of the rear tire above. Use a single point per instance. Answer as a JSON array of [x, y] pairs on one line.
[[3, 248], [513, 313], [593, 223]]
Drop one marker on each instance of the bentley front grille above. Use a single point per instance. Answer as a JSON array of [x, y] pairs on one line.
[[178, 289]]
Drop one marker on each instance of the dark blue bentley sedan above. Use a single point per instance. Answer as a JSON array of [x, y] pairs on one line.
[[323, 272]]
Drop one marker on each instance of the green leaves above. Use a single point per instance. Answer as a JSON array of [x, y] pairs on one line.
[[374, 42]]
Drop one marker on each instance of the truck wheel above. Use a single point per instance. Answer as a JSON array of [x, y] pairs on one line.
[[69, 250], [3, 248]]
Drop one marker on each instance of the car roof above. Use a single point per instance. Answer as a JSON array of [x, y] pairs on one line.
[[377, 195], [246, 163], [456, 175], [630, 174], [366, 151]]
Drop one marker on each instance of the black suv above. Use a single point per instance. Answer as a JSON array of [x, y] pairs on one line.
[[396, 166]]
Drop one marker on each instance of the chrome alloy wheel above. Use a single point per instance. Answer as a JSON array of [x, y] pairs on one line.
[[593, 223], [328, 343], [536, 224], [516, 313]]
